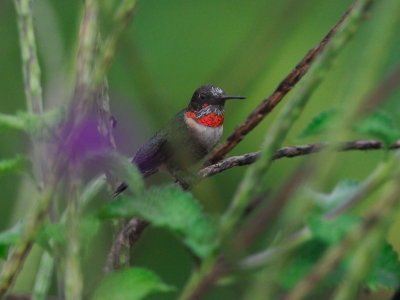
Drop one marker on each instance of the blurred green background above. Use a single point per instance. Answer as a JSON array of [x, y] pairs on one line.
[[173, 47]]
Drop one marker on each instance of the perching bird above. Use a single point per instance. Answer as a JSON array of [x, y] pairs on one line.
[[186, 138]]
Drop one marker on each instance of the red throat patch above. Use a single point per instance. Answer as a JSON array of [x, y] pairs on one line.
[[210, 120]]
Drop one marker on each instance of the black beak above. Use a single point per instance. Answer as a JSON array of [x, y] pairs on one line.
[[232, 97]]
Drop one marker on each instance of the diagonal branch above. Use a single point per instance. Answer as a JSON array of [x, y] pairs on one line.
[[268, 104]]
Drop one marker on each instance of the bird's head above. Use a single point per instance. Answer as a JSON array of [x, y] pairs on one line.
[[210, 95]]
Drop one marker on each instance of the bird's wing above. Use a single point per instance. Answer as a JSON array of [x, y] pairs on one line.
[[152, 154]]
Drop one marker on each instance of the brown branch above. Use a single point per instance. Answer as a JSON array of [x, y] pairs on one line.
[[292, 151], [118, 256], [268, 104]]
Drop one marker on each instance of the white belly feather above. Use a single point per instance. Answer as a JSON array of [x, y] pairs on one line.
[[208, 136]]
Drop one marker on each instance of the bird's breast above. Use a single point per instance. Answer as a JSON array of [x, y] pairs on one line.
[[207, 136]]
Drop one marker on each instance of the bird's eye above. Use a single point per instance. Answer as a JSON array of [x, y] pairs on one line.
[[202, 96]]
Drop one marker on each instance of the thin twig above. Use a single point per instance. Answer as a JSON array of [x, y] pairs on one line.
[[268, 104], [292, 151]]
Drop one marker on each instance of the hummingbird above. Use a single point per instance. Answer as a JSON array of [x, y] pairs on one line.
[[187, 138]]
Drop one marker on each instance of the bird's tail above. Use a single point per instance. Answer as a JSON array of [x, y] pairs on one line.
[[123, 186]]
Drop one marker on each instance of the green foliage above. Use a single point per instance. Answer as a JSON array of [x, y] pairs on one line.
[[132, 284], [124, 169], [171, 208], [386, 269], [8, 238], [320, 123], [57, 232], [332, 231], [17, 163], [11, 122], [380, 125], [41, 126], [302, 263], [341, 192]]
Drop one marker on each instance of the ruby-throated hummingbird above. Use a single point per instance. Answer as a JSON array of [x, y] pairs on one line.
[[187, 137]]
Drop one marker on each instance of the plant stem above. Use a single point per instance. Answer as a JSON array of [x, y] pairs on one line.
[[122, 19], [30, 60], [17, 257], [11, 121], [73, 275], [43, 277]]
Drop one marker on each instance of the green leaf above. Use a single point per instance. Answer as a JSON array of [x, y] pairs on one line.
[[342, 191], [11, 122], [57, 232], [319, 123], [302, 263], [380, 125], [386, 270], [332, 231], [126, 170], [51, 231], [132, 284], [89, 227], [171, 208], [17, 163], [9, 238]]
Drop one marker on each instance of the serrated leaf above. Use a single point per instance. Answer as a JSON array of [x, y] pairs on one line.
[[332, 231], [341, 192], [380, 125], [8, 238], [13, 164], [386, 270], [319, 123], [132, 284], [171, 208], [125, 170]]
